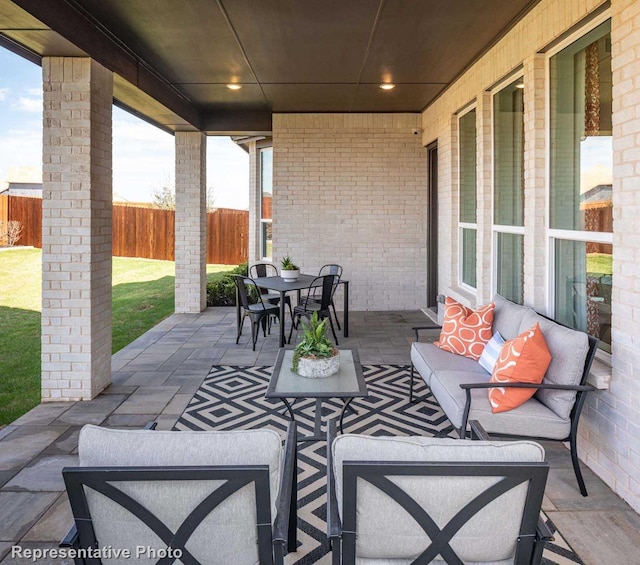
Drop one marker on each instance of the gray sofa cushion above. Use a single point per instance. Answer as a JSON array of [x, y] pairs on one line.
[[229, 533], [386, 532], [568, 350], [427, 359], [530, 419], [507, 317]]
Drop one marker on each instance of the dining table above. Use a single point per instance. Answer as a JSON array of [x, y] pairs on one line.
[[278, 284]]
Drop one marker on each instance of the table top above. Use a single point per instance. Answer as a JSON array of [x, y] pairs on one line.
[[281, 285], [348, 382]]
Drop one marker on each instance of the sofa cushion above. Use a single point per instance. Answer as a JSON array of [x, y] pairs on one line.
[[427, 358], [507, 317], [229, 531], [530, 419], [386, 531], [568, 350], [465, 331], [524, 359]]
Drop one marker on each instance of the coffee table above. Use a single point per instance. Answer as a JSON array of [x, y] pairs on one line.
[[348, 383]]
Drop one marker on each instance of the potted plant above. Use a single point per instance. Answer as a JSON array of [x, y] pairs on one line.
[[315, 356], [289, 271]]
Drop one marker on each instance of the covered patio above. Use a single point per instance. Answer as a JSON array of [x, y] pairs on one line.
[[155, 377], [431, 148]]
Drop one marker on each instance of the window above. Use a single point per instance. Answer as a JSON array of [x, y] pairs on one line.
[[266, 199], [580, 206], [468, 205], [508, 190]]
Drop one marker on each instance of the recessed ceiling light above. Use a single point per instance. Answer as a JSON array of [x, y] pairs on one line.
[[520, 85], [234, 86], [387, 86]]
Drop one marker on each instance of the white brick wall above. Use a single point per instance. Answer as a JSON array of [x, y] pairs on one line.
[[76, 229], [609, 431], [352, 189], [191, 222]]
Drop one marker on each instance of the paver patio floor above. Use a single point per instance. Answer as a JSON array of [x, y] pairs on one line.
[[155, 377]]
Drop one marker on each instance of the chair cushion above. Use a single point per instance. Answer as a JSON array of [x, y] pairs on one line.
[[386, 531], [507, 317], [523, 359], [229, 532], [427, 358], [568, 350], [530, 419], [465, 331], [491, 352]]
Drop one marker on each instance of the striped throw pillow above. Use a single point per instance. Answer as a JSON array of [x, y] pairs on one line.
[[491, 352]]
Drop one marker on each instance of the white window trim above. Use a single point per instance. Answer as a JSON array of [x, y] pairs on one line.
[[554, 234], [466, 225], [263, 220]]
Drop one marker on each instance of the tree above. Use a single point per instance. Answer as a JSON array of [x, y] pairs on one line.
[[164, 198]]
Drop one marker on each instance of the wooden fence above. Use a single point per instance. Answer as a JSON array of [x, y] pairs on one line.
[[144, 232]]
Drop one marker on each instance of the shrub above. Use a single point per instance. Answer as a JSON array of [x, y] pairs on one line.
[[10, 234], [221, 290]]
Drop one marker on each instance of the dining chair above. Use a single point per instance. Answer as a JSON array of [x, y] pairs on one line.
[[336, 271], [260, 270], [309, 304], [257, 312]]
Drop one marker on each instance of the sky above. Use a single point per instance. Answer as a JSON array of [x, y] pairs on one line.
[[143, 155]]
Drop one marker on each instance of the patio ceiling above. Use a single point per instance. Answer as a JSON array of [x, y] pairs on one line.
[[173, 59]]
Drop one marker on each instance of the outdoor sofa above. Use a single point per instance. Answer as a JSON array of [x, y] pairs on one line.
[[459, 384]]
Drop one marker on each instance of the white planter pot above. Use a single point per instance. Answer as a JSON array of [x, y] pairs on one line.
[[318, 368], [290, 276]]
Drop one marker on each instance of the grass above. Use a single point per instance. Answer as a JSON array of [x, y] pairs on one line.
[[143, 295], [600, 263]]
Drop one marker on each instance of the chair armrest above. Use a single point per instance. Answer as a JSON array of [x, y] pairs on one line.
[[477, 431], [71, 539], [419, 328], [334, 525], [549, 386], [287, 492]]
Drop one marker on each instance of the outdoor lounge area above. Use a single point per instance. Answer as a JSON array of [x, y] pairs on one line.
[[440, 153], [156, 377]]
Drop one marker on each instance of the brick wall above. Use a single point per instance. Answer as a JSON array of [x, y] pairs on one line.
[[76, 228], [352, 189], [609, 430]]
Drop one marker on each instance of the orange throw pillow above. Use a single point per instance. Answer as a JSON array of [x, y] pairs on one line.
[[524, 359], [465, 331]]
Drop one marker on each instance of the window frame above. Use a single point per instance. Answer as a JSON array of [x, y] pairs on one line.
[[473, 107], [263, 221], [554, 234]]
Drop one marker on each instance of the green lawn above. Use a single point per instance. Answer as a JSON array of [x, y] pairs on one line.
[[143, 295], [600, 263]]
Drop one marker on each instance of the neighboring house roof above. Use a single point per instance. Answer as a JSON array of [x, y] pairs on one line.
[[32, 189], [599, 195]]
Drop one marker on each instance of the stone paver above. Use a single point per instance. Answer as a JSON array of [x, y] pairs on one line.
[[179, 353]]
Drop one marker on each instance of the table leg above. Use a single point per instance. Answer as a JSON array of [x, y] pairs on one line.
[[345, 322], [282, 297], [317, 421], [344, 408], [289, 408]]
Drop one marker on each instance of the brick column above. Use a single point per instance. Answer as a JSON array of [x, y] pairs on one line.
[[255, 252], [484, 199], [191, 222], [535, 156], [76, 228]]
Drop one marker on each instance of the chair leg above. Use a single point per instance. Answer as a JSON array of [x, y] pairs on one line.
[[293, 323], [411, 383], [240, 328], [254, 333], [333, 329], [573, 444], [335, 315]]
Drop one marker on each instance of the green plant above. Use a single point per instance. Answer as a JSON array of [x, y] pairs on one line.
[[288, 265], [315, 344], [221, 290]]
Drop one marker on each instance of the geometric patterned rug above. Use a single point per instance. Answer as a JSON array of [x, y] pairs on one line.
[[232, 398]]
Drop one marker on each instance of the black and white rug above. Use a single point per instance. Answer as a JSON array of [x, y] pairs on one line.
[[232, 398]]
